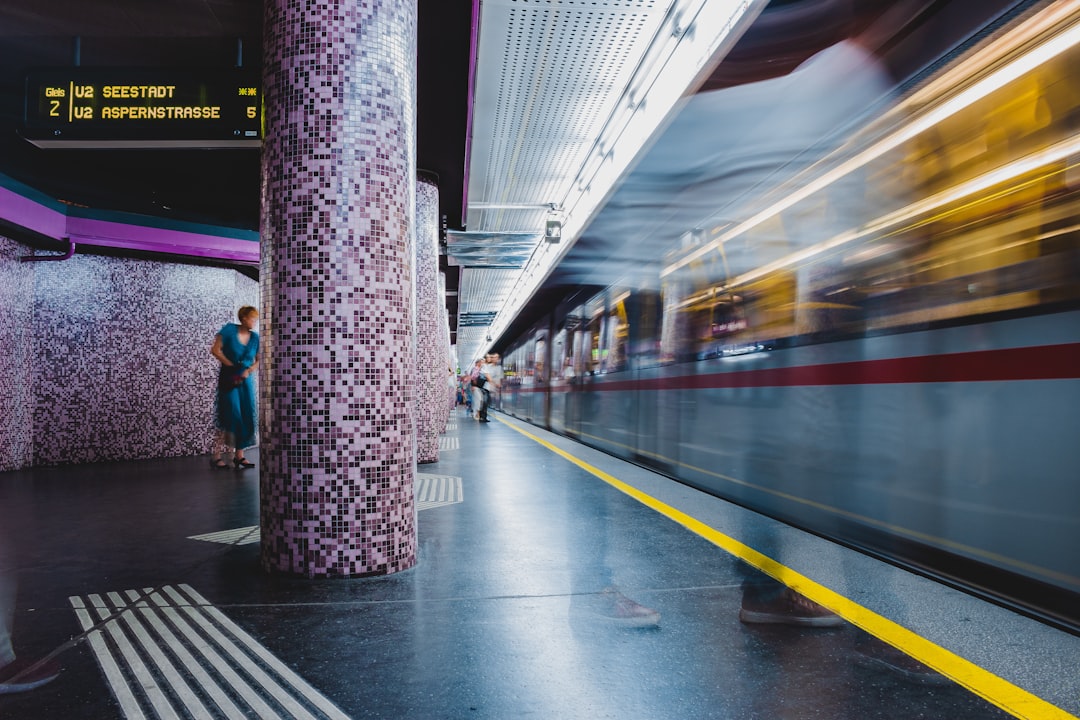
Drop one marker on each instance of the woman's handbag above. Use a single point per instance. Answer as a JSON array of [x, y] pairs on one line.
[[230, 377]]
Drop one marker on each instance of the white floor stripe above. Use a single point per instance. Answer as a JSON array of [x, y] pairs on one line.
[[216, 662], [241, 659], [120, 688], [187, 660], [236, 536], [161, 662], [449, 443], [313, 695], [168, 653], [146, 682], [437, 490]]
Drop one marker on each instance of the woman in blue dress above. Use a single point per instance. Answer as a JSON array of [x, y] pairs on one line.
[[236, 347]]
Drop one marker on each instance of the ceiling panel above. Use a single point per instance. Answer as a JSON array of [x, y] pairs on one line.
[[549, 74]]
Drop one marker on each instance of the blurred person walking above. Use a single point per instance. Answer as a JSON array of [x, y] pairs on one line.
[[492, 375], [236, 347]]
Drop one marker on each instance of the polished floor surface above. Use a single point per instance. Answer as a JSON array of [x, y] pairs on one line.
[[552, 582]]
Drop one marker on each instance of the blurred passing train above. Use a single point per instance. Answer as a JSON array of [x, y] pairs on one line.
[[875, 337]]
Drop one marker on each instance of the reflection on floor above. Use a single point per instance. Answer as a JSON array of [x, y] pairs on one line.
[[540, 592]]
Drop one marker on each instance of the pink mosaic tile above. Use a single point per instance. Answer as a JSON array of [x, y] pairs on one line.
[[338, 379], [16, 367], [430, 357], [84, 378]]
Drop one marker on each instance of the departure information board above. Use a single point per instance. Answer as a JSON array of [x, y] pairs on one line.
[[108, 107]]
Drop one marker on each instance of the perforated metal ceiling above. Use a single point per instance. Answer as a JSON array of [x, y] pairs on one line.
[[483, 291], [549, 75]]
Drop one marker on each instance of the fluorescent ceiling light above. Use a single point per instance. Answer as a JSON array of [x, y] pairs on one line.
[[1060, 151], [692, 36], [1054, 46]]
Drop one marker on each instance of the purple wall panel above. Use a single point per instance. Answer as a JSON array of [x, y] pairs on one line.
[[16, 388], [338, 380], [107, 358], [122, 366]]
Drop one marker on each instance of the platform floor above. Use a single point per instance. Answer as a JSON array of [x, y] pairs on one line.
[[142, 580]]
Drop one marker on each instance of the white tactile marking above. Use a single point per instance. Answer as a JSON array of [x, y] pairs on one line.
[[168, 653], [237, 536], [449, 443], [437, 490]]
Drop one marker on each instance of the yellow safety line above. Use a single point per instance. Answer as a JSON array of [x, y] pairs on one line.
[[864, 519], [1012, 699]]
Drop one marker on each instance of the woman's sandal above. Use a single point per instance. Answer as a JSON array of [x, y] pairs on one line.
[[242, 463], [219, 464]]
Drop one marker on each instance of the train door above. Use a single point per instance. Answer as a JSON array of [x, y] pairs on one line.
[[580, 347], [541, 365], [616, 397], [560, 376], [658, 405], [585, 396]]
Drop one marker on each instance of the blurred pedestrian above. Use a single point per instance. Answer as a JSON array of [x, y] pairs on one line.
[[491, 373], [236, 347]]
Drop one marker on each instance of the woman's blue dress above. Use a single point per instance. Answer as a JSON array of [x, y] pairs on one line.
[[236, 402]]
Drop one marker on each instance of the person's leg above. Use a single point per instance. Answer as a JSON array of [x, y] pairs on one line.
[[16, 675], [242, 403], [218, 449], [7, 613]]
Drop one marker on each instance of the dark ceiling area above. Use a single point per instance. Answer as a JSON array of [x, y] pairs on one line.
[[214, 186]]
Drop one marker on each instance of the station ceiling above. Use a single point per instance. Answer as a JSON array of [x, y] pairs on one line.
[[549, 76]]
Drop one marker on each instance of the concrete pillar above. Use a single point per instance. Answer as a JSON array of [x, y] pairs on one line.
[[337, 450]]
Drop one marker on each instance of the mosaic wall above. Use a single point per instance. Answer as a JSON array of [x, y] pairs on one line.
[[16, 389], [450, 361], [122, 365], [430, 363], [108, 358], [339, 402]]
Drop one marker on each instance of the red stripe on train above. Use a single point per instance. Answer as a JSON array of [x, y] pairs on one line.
[[1044, 362]]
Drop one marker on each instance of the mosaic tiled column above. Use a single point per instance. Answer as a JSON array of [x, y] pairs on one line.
[[430, 366], [449, 375], [338, 401]]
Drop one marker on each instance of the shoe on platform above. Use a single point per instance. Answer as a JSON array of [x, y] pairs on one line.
[[874, 654], [616, 608], [242, 463], [20, 676], [788, 608]]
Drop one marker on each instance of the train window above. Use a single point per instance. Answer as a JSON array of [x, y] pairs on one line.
[[509, 365], [616, 332], [645, 313], [970, 215], [562, 359], [592, 335], [575, 327], [540, 356]]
